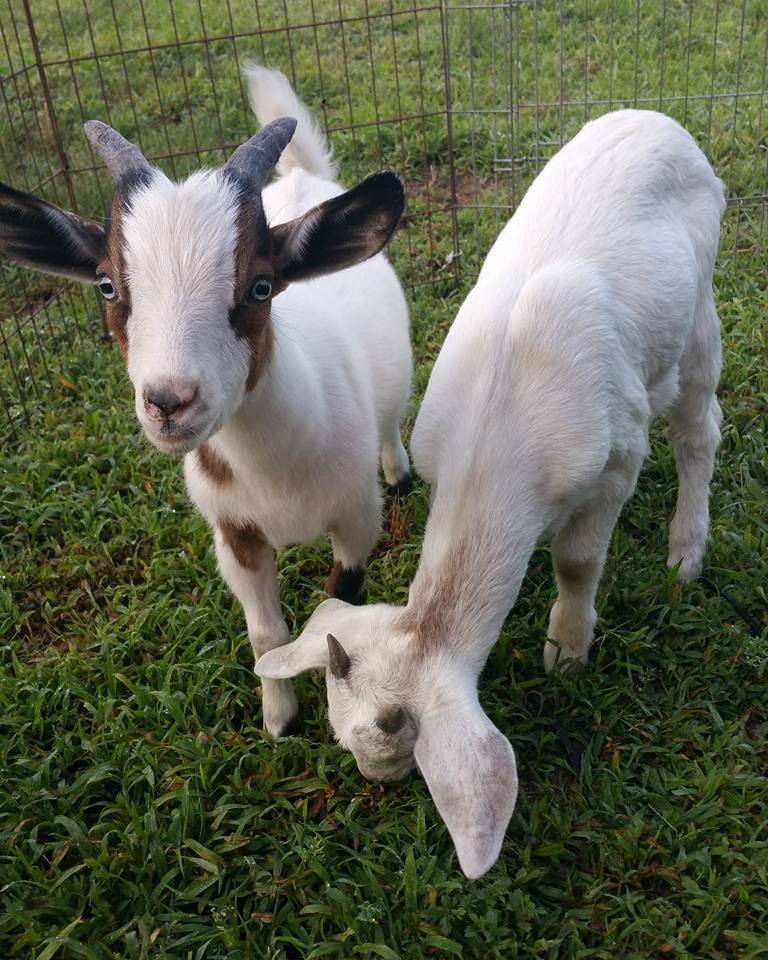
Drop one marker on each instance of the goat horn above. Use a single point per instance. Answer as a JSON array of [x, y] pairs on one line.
[[120, 156], [255, 158], [339, 661]]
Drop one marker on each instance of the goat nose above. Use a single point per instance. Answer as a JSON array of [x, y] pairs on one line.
[[167, 401]]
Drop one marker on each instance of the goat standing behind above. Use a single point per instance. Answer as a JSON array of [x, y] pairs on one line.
[[592, 314], [281, 408]]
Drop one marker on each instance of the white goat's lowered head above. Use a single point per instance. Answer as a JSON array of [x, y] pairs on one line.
[[396, 703], [189, 270]]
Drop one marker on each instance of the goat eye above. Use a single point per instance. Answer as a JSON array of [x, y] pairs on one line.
[[107, 288], [260, 290]]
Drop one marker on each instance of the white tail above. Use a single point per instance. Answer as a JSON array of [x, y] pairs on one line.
[[271, 97]]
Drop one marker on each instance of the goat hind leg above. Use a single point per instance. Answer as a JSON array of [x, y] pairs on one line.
[[353, 537], [578, 555], [694, 430], [394, 463]]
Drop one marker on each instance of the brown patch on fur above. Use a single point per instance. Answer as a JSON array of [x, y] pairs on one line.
[[252, 320], [213, 466], [245, 540], [432, 615], [113, 265]]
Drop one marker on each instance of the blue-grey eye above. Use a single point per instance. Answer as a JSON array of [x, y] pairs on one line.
[[107, 288], [260, 290]]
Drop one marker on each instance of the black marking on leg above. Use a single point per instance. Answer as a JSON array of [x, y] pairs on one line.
[[348, 583], [292, 727], [403, 486]]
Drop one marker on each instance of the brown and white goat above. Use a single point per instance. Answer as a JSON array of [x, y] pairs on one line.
[[257, 340]]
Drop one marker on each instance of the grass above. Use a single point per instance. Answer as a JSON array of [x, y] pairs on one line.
[[144, 813]]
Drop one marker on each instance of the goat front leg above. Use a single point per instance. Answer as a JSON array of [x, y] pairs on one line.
[[247, 563], [353, 537]]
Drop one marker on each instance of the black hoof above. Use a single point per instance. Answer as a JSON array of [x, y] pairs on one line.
[[292, 728], [402, 488], [349, 585]]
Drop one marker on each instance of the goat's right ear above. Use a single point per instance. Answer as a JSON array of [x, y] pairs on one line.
[[341, 232], [470, 770], [39, 235]]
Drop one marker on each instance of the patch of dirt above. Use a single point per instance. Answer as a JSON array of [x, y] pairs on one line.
[[437, 185]]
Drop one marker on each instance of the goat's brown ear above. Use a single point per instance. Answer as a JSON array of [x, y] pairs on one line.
[[39, 235], [341, 232]]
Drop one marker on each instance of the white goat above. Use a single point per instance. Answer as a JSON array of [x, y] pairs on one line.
[[592, 314], [281, 408]]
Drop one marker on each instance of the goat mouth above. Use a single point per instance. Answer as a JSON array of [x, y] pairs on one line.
[[173, 438], [387, 774]]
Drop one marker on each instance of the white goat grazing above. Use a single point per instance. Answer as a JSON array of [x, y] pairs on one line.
[[281, 408], [592, 314]]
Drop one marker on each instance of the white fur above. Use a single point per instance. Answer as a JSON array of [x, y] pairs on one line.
[[592, 314], [179, 244], [271, 95], [304, 444]]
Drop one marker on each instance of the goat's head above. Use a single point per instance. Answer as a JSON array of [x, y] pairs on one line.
[[396, 704], [189, 270]]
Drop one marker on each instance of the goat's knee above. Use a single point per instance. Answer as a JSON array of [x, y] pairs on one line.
[[354, 534]]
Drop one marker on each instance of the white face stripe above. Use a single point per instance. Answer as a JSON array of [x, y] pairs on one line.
[[180, 239], [179, 244]]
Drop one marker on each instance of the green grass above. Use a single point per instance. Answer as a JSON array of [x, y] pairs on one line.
[[143, 812]]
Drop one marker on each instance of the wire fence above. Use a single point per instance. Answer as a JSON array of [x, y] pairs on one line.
[[466, 100]]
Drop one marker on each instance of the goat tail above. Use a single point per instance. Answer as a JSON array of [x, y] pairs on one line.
[[272, 96]]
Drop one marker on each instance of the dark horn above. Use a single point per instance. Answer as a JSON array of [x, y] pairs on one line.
[[256, 158], [339, 661], [121, 157]]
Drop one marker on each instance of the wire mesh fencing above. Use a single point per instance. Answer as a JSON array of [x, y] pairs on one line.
[[465, 100], [525, 75]]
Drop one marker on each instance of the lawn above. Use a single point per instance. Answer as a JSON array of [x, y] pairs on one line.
[[143, 811]]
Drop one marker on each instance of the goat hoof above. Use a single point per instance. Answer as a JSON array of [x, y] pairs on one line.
[[402, 488], [280, 708], [348, 584], [291, 728], [558, 657], [690, 561]]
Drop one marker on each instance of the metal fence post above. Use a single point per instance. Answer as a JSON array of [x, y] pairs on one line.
[[63, 161], [455, 252]]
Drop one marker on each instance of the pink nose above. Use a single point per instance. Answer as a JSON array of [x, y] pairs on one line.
[[162, 402]]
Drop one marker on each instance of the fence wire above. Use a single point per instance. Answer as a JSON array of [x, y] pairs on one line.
[[466, 100]]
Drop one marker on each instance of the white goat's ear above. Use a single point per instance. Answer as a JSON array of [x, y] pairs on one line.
[[470, 770], [342, 231], [309, 651], [292, 659], [37, 234]]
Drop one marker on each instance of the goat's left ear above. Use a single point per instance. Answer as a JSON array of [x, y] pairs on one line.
[[310, 650], [470, 770], [39, 235], [341, 232]]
